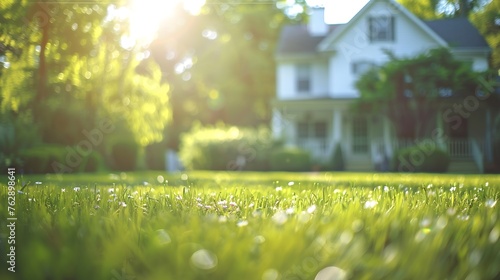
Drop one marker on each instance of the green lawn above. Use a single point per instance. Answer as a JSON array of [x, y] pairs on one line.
[[209, 225]]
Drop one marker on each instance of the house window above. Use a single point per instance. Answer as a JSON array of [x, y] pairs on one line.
[[361, 67], [312, 130], [303, 78], [312, 133], [381, 29]]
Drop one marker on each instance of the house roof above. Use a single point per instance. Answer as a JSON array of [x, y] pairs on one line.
[[456, 32], [297, 39]]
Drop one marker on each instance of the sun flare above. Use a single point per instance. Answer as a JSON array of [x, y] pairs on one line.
[[145, 16]]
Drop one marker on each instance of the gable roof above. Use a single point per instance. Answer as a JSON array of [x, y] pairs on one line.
[[458, 33], [455, 33], [334, 36], [297, 39]]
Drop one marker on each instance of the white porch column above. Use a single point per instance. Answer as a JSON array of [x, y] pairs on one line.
[[277, 124]]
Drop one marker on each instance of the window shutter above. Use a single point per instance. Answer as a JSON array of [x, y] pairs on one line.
[[392, 29]]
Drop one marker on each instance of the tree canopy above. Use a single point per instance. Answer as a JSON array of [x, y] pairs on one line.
[[409, 90]]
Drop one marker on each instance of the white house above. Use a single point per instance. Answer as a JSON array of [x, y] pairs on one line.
[[318, 65]]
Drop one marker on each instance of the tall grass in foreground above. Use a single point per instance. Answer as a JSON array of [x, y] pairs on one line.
[[257, 226]]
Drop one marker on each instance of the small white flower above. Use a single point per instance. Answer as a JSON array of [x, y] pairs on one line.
[[278, 189], [38, 183], [243, 223], [311, 209], [370, 204], [76, 189], [111, 190], [233, 204], [63, 190], [122, 204]]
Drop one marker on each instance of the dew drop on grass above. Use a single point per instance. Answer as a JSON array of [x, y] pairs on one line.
[[303, 217], [311, 209], [390, 253], [490, 203], [370, 204], [331, 273], [204, 259], [494, 235], [346, 237], [163, 237], [243, 223], [259, 239], [280, 218], [270, 274], [160, 179]]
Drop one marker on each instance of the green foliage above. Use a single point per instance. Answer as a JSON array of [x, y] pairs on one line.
[[290, 159], [338, 159], [418, 159], [226, 148], [486, 21], [59, 159], [243, 226], [408, 90]]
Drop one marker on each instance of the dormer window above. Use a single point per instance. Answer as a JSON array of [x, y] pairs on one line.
[[381, 29], [303, 78]]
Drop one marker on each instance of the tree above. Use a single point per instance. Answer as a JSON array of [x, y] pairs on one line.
[[434, 9], [68, 69], [220, 64], [409, 90], [424, 9], [487, 21]]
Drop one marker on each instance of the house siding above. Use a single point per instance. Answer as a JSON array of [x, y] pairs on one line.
[[354, 45]]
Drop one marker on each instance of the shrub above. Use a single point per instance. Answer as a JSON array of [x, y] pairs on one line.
[[416, 159], [41, 159], [338, 159], [290, 159], [124, 155], [226, 148]]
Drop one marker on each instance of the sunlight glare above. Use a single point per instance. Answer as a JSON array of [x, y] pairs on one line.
[[147, 15]]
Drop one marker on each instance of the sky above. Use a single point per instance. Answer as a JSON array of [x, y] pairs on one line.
[[341, 11]]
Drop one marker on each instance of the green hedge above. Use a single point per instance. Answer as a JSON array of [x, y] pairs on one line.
[[60, 159], [226, 148], [418, 159], [290, 159]]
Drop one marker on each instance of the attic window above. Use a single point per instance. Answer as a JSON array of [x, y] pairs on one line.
[[381, 29]]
